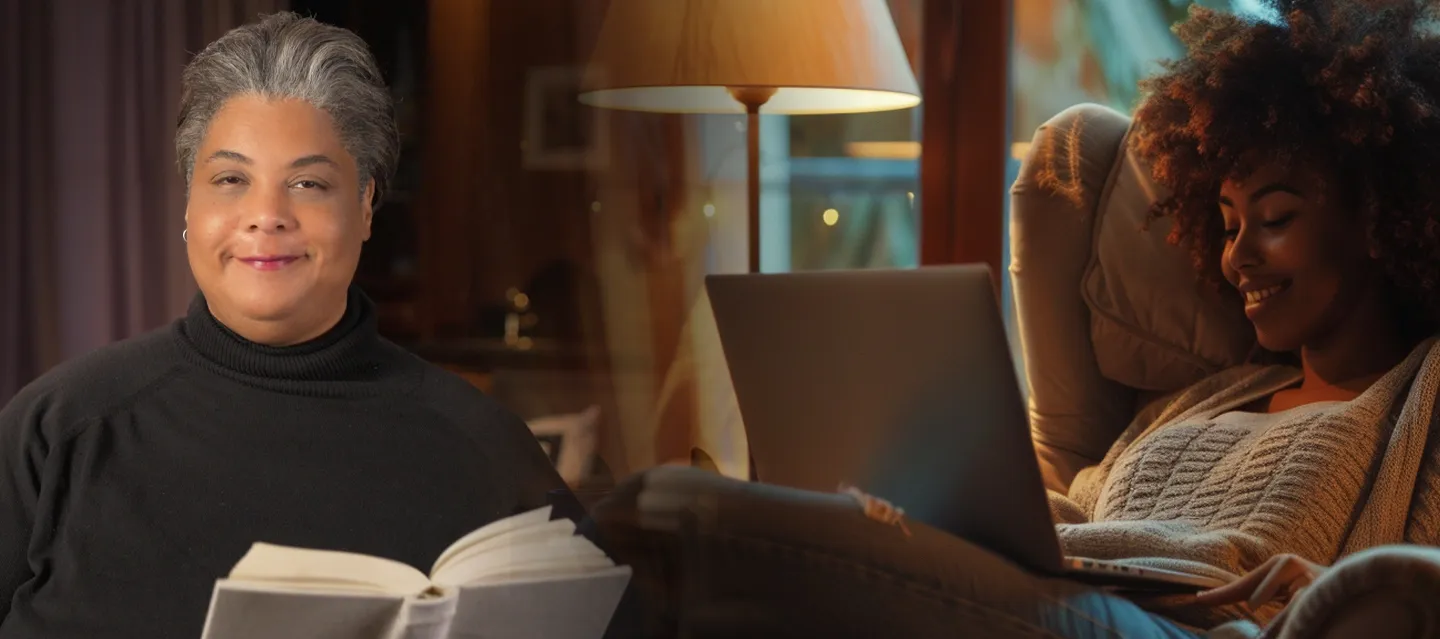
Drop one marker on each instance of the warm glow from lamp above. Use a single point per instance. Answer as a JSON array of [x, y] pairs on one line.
[[792, 101], [689, 56], [830, 217], [794, 57]]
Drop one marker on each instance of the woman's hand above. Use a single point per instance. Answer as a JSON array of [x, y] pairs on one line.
[[1281, 577]]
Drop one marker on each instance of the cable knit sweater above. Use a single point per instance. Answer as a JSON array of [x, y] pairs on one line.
[[1183, 490]]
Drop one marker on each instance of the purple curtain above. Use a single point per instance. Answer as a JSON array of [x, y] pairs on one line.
[[91, 206]]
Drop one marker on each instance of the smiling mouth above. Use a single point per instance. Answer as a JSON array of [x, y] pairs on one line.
[[269, 263], [1259, 297]]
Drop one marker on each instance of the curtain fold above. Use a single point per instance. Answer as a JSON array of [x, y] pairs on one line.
[[26, 188]]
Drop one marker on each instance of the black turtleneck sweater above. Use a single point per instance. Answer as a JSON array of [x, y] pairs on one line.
[[132, 478]]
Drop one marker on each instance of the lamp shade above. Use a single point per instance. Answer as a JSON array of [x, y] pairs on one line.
[[687, 56]]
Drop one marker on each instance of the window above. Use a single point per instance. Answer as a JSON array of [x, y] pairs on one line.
[[839, 191], [852, 186]]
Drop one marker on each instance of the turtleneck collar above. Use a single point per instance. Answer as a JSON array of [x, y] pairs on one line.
[[349, 356]]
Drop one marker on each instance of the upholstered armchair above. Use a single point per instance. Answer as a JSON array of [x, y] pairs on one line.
[[1110, 317]]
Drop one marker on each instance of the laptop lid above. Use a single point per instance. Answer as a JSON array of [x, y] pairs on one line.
[[897, 381]]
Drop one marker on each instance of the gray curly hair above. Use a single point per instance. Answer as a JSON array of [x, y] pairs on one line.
[[283, 56]]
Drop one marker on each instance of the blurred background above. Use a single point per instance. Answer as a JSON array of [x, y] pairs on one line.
[[550, 252]]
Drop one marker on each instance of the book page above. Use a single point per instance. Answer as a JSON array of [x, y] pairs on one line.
[[243, 611], [563, 608], [494, 529], [547, 532], [571, 555], [284, 567]]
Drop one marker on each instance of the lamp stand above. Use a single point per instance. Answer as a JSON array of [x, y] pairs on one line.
[[753, 98]]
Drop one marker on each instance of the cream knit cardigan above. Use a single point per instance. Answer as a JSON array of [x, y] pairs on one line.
[[1180, 490]]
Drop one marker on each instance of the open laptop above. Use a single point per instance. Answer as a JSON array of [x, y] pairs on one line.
[[900, 382]]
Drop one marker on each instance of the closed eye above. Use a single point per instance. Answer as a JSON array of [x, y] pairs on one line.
[[1280, 222], [1275, 224]]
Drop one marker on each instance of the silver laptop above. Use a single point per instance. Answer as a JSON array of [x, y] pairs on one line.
[[900, 382]]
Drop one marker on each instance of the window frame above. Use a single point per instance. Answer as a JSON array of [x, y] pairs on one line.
[[964, 134]]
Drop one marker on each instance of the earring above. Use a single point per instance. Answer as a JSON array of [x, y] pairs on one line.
[[185, 236]]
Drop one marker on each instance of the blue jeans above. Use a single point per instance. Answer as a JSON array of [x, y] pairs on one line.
[[761, 561]]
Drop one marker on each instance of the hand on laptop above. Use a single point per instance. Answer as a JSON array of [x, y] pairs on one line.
[[1282, 577]]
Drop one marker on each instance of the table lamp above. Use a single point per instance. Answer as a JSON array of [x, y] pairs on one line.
[[792, 57]]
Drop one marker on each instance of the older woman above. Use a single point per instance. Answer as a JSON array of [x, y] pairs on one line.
[[132, 478]]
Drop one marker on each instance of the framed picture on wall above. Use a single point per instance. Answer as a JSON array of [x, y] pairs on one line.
[[561, 134]]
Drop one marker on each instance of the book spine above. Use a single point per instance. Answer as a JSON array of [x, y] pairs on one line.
[[425, 618]]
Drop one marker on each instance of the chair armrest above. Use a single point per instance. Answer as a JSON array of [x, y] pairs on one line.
[[1390, 591]]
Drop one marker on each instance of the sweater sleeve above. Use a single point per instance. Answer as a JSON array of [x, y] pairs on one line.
[[1065, 511], [1423, 524], [22, 458], [522, 467]]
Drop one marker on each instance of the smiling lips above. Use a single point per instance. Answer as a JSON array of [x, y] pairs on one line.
[[1256, 298], [270, 262]]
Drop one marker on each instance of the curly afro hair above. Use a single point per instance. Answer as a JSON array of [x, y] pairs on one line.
[[1352, 86]]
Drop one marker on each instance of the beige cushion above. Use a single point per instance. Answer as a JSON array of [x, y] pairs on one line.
[[1104, 307], [1153, 325]]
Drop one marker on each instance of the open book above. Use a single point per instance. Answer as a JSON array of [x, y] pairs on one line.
[[523, 576]]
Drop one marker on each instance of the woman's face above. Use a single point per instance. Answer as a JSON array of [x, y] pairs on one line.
[[1299, 260], [275, 219]]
